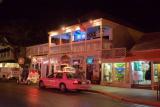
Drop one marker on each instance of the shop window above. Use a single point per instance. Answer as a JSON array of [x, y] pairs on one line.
[[93, 33], [141, 72], [107, 72], [119, 71], [156, 72]]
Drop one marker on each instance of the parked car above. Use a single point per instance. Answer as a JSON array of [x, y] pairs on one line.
[[65, 80], [33, 78]]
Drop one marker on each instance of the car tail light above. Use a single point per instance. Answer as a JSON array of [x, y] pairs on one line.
[[77, 82]]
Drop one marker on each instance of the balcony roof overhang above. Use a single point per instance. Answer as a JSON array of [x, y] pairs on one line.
[[90, 23]]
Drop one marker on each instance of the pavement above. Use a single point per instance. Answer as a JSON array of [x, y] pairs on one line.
[[139, 96]]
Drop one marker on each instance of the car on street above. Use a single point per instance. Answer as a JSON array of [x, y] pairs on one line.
[[64, 80]]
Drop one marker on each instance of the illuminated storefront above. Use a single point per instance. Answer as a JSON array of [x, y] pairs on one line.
[[115, 74], [141, 72]]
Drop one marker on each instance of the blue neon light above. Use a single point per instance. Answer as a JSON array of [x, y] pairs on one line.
[[79, 35]]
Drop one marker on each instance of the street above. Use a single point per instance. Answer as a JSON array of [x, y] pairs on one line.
[[14, 95]]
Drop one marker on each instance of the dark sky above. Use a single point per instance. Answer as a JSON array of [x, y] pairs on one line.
[[28, 20]]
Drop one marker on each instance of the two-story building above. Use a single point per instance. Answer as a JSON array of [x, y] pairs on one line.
[[8, 65], [6, 50], [98, 47], [39, 57]]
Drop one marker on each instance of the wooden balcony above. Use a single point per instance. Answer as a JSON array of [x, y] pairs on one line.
[[7, 56], [37, 50], [94, 45], [76, 47]]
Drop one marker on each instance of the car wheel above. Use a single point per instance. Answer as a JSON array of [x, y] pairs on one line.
[[63, 87], [41, 85]]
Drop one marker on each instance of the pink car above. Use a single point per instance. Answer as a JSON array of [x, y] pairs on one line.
[[64, 81]]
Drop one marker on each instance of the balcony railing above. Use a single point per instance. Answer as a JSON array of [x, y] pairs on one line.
[[93, 45], [81, 46], [7, 56], [65, 48], [78, 47], [37, 50]]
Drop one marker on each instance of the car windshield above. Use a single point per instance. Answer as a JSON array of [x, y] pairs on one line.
[[71, 75], [69, 69]]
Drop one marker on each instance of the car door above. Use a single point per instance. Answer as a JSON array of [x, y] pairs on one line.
[[51, 81], [58, 79]]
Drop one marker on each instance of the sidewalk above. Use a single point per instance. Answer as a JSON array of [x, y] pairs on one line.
[[140, 96]]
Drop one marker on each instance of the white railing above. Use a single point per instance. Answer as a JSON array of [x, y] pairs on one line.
[[93, 45], [37, 50], [78, 46], [55, 49], [64, 48], [81, 46]]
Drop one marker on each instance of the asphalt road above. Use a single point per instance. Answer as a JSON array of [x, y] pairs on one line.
[[13, 95]]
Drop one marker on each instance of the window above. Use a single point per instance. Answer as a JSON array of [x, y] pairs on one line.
[[74, 75], [55, 39], [51, 76], [93, 33], [59, 75], [119, 71], [107, 72], [106, 33], [79, 35], [70, 75], [65, 38]]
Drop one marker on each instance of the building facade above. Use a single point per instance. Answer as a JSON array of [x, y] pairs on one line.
[[9, 67], [39, 57], [98, 47]]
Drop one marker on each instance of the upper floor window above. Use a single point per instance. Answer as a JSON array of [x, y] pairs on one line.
[[79, 35], [65, 38], [55, 39], [93, 32], [106, 30]]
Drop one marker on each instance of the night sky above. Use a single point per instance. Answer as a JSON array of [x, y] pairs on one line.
[[26, 22]]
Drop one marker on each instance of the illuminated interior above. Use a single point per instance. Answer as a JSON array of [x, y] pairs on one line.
[[141, 72], [9, 65], [156, 71], [119, 71], [107, 72], [113, 72]]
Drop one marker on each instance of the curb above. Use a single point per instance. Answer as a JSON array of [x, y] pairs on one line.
[[125, 99]]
